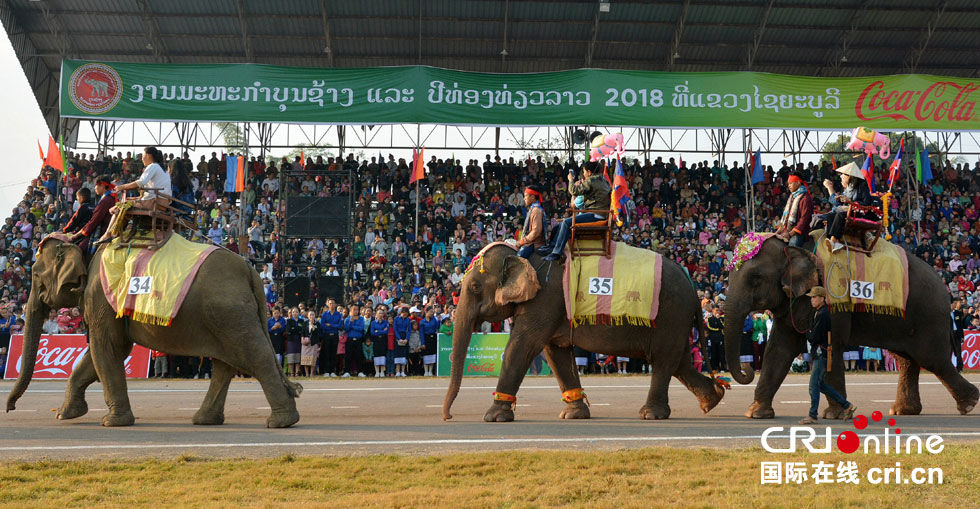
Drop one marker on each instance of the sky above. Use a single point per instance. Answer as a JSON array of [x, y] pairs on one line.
[[19, 133]]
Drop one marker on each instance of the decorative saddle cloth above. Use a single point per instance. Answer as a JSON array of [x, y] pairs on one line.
[[874, 283], [149, 285], [623, 288]]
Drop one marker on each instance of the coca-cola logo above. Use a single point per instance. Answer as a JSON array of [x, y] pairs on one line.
[[59, 355], [486, 367], [941, 101], [971, 350]]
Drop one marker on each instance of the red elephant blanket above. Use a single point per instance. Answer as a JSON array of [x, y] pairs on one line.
[[623, 289], [150, 285]]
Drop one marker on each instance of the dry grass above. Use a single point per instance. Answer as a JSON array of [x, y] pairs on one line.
[[632, 478]]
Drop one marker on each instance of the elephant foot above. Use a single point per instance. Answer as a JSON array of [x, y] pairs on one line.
[[905, 409], [712, 400], [759, 411], [834, 412], [501, 412], [281, 419], [967, 404], [655, 412], [73, 409], [203, 418], [575, 410], [119, 419]]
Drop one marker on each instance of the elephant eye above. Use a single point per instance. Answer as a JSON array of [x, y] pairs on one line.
[[475, 287]]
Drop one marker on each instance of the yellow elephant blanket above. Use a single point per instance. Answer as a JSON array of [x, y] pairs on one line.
[[150, 285], [623, 289], [856, 282]]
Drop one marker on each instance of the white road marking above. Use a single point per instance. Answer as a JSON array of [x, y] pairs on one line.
[[466, 441], [263, 408], [442, 388], [25, 410], [794, 402], [882, 400], [341, 407], [601, 404], [187, 409]]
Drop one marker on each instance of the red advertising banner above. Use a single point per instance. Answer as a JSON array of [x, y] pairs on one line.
[[971, 349], [57, 355]]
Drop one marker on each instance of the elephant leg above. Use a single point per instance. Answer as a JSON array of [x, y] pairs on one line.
[[521, 350], [907, 400], [963, 392], [709, 393], [109, 349], [663, 365], [212, 410], [840, 334], [562, 362], [81, 377], [279, 391], [779, 354]]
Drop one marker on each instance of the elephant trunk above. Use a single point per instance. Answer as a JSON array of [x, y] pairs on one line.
[[37, 311], [462, 334], [734, 318]]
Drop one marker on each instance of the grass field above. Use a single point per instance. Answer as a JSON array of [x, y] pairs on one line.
[[656, 477]]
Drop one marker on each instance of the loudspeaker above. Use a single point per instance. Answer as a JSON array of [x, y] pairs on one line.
[[317, 216], [329, 287], [296, 290]]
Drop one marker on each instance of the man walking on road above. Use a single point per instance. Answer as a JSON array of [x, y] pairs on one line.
[[819, 338]]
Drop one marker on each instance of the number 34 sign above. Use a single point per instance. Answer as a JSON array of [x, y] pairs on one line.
[[140, 285], [862, 290], [600, 285]]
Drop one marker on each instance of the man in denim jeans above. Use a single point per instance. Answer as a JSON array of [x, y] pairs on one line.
[[595, 193], [819, 337]]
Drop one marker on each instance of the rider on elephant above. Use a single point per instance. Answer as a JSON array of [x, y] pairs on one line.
[[855, 191], [99, 222], [595, 194], [795, 222], [533, 233]]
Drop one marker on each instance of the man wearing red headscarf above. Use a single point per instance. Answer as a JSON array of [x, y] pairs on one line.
[[101, 216], [532, 235], [794, 225]]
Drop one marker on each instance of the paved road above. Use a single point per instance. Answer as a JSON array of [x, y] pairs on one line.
[[367, 416]]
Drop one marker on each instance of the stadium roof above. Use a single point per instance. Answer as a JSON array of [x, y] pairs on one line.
[[805, 37]]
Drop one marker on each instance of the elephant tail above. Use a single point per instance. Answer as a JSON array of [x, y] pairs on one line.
[[702, 335]]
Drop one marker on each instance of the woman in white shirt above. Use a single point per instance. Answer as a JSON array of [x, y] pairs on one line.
[[153, 177]]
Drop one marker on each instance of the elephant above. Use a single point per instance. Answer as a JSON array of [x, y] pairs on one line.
[[868, 140], [778, 277], [506, 285], [223, 316]]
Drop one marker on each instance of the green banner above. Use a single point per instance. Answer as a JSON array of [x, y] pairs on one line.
[[483, 358], [386, 95]]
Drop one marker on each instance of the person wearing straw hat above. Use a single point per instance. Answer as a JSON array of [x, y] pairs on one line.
[[819, 338], [854, 191]]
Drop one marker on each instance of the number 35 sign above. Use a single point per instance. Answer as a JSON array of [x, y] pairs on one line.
[[600, 285]]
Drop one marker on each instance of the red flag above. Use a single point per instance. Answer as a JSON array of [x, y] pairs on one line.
[[302, 159], [605, 172], [418, 171], [40, 150], [833, 163], [54, 156]]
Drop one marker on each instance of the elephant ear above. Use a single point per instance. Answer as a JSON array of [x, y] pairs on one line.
[[518, 283], [801, 273]]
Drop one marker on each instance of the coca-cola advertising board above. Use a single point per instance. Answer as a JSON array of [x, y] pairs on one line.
[[58, 354], [971, 349]]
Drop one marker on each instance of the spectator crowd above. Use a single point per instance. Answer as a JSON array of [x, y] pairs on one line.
[[401, 279]]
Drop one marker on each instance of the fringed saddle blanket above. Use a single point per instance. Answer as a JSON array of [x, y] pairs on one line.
[[876, 283], [150, 285], [622, 289]]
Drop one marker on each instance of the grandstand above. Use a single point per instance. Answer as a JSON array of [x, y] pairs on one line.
[[694, 210]]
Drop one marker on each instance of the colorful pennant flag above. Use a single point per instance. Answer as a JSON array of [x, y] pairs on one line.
[[620, 194], [896, 164], [923, 169], [418, 169], [234, 174], [869, 174], [757, 175]]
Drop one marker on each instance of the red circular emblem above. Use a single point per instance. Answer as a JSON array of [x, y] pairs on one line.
[[95, 88]]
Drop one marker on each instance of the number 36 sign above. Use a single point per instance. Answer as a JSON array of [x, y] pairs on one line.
[[862, 290]]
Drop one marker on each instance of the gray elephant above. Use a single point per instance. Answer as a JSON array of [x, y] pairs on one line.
[[510, 286], [778, 277], [223, 316]]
